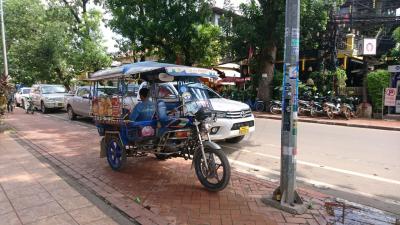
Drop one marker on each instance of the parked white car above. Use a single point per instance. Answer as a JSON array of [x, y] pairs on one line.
[[48, 96], [21, 95]]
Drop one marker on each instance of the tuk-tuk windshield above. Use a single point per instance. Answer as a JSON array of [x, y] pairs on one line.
[[196, 96]]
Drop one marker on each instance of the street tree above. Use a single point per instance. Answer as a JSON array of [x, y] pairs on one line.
[[47, 44], [259, 26], [174, 31]]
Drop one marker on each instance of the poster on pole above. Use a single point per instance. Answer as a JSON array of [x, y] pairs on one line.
[[390, 97]]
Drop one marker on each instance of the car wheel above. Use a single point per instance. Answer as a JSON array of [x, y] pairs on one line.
[[71, 114], [22, 104], [43, 108], [161, 157], [235, 139]]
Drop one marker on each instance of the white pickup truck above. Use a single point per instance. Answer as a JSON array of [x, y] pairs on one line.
[[234, 119]]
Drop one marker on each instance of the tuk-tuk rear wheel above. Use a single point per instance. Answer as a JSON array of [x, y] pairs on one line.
[[116, 153]]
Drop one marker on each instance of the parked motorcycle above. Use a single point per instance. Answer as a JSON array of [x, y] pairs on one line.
[[338, 108], [353, 103], [275, 107], [29, 108], [305, 108], [256, 105]]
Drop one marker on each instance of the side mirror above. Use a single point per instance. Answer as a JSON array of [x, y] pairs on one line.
[[87, 96]]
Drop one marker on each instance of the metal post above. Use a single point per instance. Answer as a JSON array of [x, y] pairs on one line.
[[3, 37], [285, 196]]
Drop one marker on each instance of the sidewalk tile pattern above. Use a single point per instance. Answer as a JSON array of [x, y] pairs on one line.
[[31, 193], [168, 190]]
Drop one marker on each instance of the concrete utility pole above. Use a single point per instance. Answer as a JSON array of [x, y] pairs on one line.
[[3, 37], [285, 196]]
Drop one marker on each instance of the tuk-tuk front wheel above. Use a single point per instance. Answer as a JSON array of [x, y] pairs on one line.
[[218, 174], [116, 153]]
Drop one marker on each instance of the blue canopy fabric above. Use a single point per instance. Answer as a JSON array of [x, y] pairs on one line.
[[150, 70]]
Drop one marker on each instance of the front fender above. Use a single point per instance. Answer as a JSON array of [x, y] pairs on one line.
[[212, 145]]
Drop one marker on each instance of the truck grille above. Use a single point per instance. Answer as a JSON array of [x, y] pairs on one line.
[[238, 114], [59, 99]]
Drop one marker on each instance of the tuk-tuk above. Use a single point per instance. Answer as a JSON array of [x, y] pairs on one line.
[[175, 129]]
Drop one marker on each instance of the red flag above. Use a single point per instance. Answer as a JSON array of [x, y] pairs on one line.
[[251, 52]]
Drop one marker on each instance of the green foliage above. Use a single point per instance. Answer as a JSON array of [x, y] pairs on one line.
[[277, 84], [323, 81], [377, 82], [313, 22], [396, 50], [46, 44], [172, 30], [207, 45], [341, 77]]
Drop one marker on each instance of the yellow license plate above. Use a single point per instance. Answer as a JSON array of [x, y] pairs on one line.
[[244, 130]]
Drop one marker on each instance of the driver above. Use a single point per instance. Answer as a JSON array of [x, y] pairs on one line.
[[145, 109]]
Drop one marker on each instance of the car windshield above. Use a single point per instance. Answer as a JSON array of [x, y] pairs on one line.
[[202, 92], [53, 89], [107, 91], [26, 91]]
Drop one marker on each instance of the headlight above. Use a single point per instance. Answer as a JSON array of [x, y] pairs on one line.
[[220, 114], [207, 126]]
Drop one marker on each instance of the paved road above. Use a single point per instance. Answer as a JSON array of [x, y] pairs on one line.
[[356, 164]]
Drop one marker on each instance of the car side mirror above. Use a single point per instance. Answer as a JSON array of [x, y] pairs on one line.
[[87, 96]]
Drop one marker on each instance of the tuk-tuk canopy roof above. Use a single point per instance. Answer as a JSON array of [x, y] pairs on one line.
[[149, 70]]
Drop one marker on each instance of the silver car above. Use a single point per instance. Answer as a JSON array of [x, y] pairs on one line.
[[48, 96]]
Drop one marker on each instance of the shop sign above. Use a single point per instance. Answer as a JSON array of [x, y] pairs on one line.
[[367, 46], [390, 97], [394, 69]]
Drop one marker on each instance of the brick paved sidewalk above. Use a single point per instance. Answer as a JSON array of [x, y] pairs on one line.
[[357, 122], [168, 191], [31, 193]]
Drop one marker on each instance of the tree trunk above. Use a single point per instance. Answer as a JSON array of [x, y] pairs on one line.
[[60, 76], [267, 62]]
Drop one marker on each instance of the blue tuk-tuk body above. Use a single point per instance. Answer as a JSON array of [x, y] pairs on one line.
[[186, 135], [130, 131]]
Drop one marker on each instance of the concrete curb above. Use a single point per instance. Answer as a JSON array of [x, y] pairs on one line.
[[333, 123]]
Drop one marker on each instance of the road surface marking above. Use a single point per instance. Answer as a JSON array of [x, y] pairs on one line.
[[317, 184], [372, 177]]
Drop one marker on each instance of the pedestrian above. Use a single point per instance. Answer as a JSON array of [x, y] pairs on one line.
[[3, 103], [10, 101]]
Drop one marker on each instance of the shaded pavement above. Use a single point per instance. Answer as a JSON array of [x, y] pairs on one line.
[[32, 193]]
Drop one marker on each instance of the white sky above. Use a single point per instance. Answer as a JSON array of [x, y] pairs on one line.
[[109, 36]]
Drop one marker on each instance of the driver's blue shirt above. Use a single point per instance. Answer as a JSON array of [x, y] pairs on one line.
[[143, 111]]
